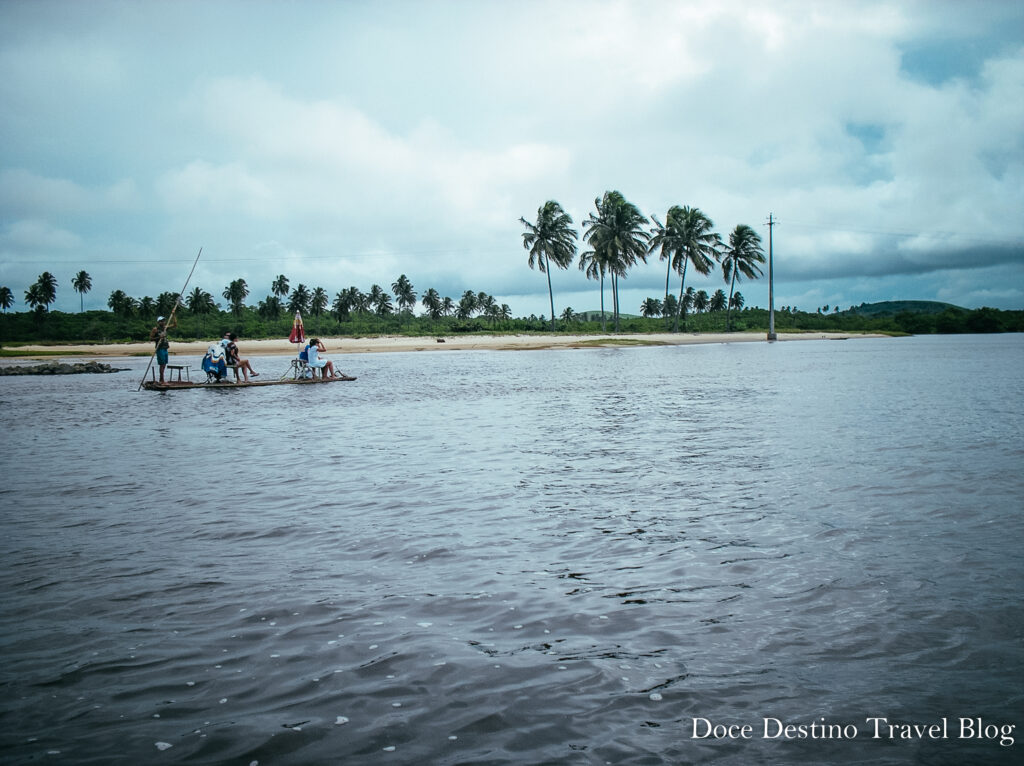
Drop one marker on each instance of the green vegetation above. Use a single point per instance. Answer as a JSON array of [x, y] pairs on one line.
[[618, 240], [108, 327]]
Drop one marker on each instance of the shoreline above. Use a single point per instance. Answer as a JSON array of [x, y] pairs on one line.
[[397, 343]]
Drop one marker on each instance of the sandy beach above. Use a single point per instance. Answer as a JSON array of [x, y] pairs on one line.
[[274, 347]]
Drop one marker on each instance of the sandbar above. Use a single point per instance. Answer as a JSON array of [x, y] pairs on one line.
[[396, 343]]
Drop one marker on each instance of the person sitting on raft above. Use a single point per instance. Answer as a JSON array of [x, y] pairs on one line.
[[313, 351], [213, 362], [232, 357]]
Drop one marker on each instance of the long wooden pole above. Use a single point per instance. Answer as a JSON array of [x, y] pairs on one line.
[[771, 280], [181, 297]]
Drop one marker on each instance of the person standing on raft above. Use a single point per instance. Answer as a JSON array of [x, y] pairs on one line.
[[159, 336]]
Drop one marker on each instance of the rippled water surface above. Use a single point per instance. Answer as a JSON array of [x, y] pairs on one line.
[[520, 558]]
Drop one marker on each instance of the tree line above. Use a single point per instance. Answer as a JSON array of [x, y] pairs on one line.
[[302, 299], [104, 326], [619, 236], [617, 233]]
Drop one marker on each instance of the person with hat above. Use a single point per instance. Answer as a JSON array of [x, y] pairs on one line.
[[159, 336]]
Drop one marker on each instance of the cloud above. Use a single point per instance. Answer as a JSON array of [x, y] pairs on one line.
[[322, 157], [31, 237], [25, 193], [411, 142], [220, 190]]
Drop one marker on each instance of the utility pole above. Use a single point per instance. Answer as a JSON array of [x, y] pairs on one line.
[[771, 282]]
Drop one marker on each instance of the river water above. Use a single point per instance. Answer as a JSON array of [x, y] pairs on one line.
[[534, 557]]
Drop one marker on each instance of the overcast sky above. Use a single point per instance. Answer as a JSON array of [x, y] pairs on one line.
[[346, 143]]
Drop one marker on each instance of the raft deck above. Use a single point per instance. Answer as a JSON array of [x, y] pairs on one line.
[[177, 385]]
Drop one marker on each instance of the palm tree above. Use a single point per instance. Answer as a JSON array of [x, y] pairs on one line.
[[667, 239], [486, 305], [467, 305], [6, 298], [569, 317], [741, 258], [616, 233], [404, 294], [342, 305], [34, 298], [270, 307], [44, 292], [165, 303], [718, 301], [668, 308], [299, 300], [82, 283], [120, 303], [432, 303], [279, 287], [491, 310], [686, 238], [447, 306], [688, 298], [347, 301], [235, 294], [382, 304], [318, 301], [374, 295], [200, 303], [593, 267], [700, 301], [651, 307], [737, 300], [146, 306], [551, 240]]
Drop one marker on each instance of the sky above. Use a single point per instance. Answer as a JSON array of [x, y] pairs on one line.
[[347, 143]]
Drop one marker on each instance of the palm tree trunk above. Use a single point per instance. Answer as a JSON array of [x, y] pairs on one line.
[[551, 295], [615, 299], [679, 306], [603, 326], [728, 306], [668, 273]]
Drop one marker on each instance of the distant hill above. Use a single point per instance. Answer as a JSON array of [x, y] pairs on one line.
[[891, 308], [595, 316]]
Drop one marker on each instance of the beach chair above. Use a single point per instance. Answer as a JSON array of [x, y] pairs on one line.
[[300, 369]]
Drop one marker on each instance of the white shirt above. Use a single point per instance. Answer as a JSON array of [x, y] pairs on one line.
[[314, 358]]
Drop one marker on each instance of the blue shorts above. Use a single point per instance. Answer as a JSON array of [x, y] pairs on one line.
[[161, 356]]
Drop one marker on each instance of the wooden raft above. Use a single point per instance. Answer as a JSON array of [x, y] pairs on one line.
[[177, 385]]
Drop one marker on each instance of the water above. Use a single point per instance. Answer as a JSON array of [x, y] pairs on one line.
[[536, 557]]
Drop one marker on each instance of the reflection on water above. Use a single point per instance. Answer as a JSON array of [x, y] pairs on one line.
[[519, 557]]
